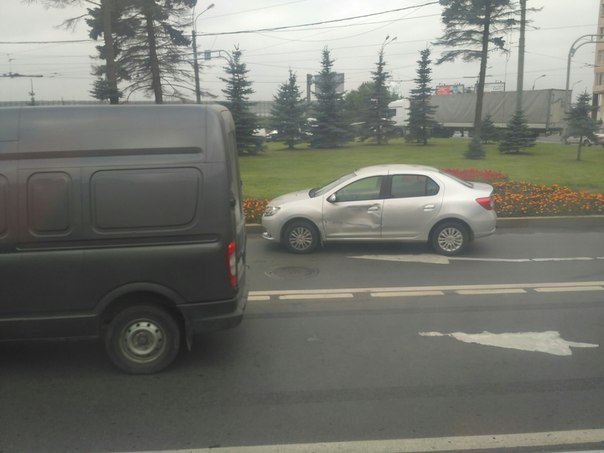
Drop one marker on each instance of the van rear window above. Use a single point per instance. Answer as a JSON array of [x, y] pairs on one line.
[[145, 199]]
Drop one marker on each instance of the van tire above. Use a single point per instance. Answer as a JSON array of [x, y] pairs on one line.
[[301, 237], [450, 238], [143, 339]]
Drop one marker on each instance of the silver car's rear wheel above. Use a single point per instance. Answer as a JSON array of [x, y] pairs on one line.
[[301, 237], [450, 238]]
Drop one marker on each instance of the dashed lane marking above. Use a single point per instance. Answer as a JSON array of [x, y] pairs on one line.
[[419, 291]]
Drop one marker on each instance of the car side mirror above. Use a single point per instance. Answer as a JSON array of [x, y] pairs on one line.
[[332, 198]]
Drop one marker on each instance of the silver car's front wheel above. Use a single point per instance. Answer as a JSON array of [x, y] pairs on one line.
[[301, 237], [450, 239]]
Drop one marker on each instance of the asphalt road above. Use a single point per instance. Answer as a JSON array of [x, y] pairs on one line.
[[361, 348]]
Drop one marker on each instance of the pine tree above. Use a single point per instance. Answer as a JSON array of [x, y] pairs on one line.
[[378, 124], [580, 123], [517, 135], [421, 112], [148, 45], [488, 132], [471, 26], [330, 130], [237, 92], [288, 112]]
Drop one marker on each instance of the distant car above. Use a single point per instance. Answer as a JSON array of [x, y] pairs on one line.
[[598, 139], [384, 203]]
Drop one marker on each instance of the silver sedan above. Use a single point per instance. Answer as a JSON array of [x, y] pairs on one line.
[[384, 203]]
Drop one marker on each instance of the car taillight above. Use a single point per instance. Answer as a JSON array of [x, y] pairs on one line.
[[232, 263], [485, 202]]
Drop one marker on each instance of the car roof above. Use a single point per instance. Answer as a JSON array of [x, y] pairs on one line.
[[393, 168]]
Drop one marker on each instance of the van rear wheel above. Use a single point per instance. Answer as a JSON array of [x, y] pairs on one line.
[[143, 339]]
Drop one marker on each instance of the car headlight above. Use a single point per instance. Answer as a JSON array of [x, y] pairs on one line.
[[271, 210]]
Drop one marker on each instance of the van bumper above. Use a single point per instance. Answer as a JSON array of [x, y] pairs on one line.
[[213, 316]]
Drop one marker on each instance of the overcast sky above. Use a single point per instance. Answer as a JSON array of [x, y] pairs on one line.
[[354, 45]]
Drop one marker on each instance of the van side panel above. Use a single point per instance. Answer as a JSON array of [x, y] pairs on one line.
[[103, 203]]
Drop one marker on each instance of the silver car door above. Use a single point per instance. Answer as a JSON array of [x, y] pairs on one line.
[[411, 207], [354, 211]]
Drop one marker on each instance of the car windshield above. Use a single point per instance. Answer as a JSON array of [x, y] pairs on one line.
[[323, 190]]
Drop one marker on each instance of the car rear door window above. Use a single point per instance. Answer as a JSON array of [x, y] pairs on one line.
[[409, 186]]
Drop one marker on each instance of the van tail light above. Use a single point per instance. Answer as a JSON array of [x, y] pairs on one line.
[[485, 202], [232, 263]]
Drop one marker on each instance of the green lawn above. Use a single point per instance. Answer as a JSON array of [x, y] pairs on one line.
[[278, 171]]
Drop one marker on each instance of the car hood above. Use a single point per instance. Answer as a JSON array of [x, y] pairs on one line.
[[289, 197]]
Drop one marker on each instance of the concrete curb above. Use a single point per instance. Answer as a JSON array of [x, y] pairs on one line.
[[560, 222]]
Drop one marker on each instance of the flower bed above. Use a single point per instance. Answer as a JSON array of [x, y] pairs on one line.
[[521, 199], [512, 199], [253, 209]]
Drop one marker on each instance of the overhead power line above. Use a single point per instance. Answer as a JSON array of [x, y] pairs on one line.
[[287, 27]]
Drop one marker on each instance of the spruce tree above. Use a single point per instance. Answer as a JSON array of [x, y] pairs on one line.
[[237, 92], [378, 124], [580, 123], [421, 112], [488, 132], [517, 135], [289, 112], [330, 130]]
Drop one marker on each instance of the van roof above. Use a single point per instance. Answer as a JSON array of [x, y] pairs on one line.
[[109, 127]]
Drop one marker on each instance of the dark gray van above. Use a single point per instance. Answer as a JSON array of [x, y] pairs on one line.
[[123, 223]]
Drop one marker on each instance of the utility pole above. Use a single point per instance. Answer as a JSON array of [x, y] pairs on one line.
[[194, 44], [519, 83]]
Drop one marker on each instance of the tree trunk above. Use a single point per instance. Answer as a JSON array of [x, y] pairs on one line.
[[111, 71], [153, 60], [483, 69]]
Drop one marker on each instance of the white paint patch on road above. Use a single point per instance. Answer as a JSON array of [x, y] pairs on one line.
[[425, 258], [549, 342], [455, 443]]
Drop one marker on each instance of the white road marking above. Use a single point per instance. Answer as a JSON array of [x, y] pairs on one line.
[[317, 296], [460, 443], [407, 293], [478, 292], [569, 289], [428, 258], [259, 298], [549, 342], [513, 288]]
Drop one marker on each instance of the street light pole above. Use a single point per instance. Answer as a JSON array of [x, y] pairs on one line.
[[535, 81], [195, 60]]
